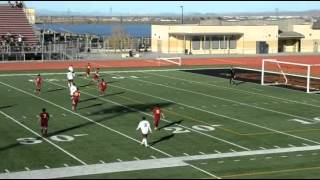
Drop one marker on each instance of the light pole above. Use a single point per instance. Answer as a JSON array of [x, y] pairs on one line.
[[181, 14]]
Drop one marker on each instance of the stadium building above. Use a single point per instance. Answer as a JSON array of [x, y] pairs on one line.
[[236, 38]]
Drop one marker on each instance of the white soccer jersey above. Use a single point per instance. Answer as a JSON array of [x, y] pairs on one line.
[[72, 89], [70, 76], [144, 125]]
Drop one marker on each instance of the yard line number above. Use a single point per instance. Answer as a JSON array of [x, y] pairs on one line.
[[179, 130], [58, 138]]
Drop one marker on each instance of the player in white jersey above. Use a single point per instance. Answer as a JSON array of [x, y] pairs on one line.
[[72, 88], [144, 125], [70, 68], [70, 78]]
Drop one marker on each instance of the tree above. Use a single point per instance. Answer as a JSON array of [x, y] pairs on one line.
[[119, 39]]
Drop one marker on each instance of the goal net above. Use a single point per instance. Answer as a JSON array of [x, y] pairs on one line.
[[293, 75], [170, 61]]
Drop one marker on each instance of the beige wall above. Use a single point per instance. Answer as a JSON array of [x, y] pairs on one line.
[[245, 45], [311, 37]]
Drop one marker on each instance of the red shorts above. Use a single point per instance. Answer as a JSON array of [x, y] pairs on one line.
[[44, 123], [75, 102], [103, 89], [38, 86], [156, 120]]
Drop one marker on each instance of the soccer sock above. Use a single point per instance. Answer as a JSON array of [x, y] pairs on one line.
[[145, 142]]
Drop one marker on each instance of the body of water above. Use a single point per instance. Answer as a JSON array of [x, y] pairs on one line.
[[133, 30]]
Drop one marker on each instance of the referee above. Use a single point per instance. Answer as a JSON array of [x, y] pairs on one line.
[[232, 75]]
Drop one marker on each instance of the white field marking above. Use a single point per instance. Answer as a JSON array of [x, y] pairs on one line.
[[47, 167], [106, 72], [203, 163], [236, 160], [291, 145], [102, 162], [106, 127], [217, 151], [284, 156], [144, 164], [66, 165], [186, 154], [136, 158], [220, 115], [63, 114], [233, 150], [314, 154], [252, 159], [7, 171], [58, 147], [268, 157], [24, 117], [299, 155], [220, 162], [78, 135], [305, 144], [133, 109], [153, 157], [202, 153], [223, 99], [26, 168], [276, 146], [206, 172], [234, 89], [262, 148], [119, 160]]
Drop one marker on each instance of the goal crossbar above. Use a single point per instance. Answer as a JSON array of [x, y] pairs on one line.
[[171, 60]]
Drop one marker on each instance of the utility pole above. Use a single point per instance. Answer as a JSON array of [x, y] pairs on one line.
[[181, 14]]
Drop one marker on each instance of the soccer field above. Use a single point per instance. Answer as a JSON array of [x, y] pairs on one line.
[[211, 129]]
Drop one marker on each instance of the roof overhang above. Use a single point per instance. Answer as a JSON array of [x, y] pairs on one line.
[[206, 34], [290, 35]]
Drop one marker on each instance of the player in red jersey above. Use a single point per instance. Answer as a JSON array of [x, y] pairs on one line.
[[38, 83], [156, 116], [88, 70], [96, 75], [44, 118], [75, 99], [102, 87]]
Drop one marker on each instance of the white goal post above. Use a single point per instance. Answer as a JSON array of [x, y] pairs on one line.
[[173, 60], [290, 70]]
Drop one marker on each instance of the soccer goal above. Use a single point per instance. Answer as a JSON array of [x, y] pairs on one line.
[[296, 75], [170, 61]]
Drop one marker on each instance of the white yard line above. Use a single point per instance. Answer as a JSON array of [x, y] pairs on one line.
[[145, 164], [33, 132], [103, 72]]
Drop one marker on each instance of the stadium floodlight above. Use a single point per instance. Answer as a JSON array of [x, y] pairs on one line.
[[298, 75], [170, 60]]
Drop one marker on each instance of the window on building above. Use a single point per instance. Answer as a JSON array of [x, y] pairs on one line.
[[206, 42], [215, 42], [196, 43], [233, 42], [223, 43]]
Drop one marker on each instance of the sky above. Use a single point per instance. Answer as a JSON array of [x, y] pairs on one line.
[[156, 7]]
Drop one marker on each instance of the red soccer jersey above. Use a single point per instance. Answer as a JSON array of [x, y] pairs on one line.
[[156, 112], [44, 116], [96, 75], [75, 97], [38, 80], [88, 68], [103, 85]]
